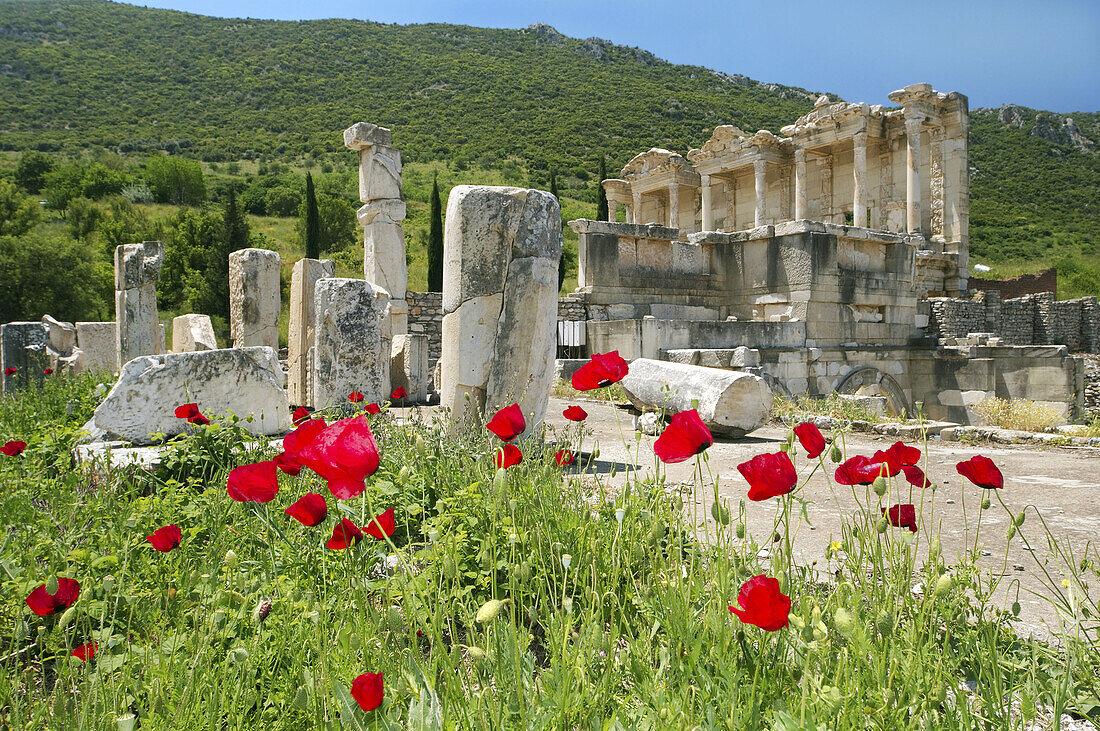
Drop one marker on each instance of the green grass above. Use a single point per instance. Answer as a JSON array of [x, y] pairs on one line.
[[785, 409], [632, 631]]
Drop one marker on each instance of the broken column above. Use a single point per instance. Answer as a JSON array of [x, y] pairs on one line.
[[409, 366], [254, 300], [500, 296], [192, 333], [381, 216], [62, 354], [731, 403], [137, 268], [303, 281], [352, 341]]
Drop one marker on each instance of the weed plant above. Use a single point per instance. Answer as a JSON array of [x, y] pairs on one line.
[[516, 598]]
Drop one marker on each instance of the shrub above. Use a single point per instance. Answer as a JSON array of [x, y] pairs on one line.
[[175, 180], [49, 273], [1018, 413]]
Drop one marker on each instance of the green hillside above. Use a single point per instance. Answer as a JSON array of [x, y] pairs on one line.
[[80, 77]]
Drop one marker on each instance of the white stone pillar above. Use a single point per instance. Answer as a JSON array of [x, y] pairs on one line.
[[859, 179], [674, 205], [352, 341], [137, 269], [730, 224], [800, 206], [301, 336], [612, 210], [760, 170], [708, 211], [628, 213], [912, 175], [254, 298], [637, 208]]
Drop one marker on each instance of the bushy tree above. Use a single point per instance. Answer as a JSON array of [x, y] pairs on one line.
[[601, 194], [83, 216], [46, 272], [19, 213], [337, 228], [312, 221], [232, 236], [175, 180], [30, 173], [80, 179], [282, 201], [435, 240], [190, 237]]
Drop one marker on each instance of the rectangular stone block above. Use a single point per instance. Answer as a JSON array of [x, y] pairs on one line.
[[254, 298], [191, 333], [99, 341], [22, 347], [352, 341], [300, 332]]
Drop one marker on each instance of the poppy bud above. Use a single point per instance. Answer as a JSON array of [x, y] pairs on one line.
[[524, 571], [172, 593], [433, 535], [1015, 609], [567, 604], [51, 585], [67, 618], [881, 525], [835, 454], [619, 515], [884, 623], [937, 548], [985, 503], [784, 446], [943, 585], [843, 621], [489, 611], [741, 530], [230, 560], [450, 567], [720, 513], [238, 654], [596, 453], [880, 486], [418, 444], [476, 653], [1011, 532], [1019, 519], [566, 559], [261, 611], [614, 470]]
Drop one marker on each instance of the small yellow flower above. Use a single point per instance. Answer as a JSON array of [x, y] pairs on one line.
[[1065, 583], [834, 546]]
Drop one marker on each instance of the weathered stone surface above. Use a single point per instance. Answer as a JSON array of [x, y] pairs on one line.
[[99, 343], [409, 366], [384, 256], [501, 250], [23, 347], [240, 381], [191, 333], [137, 268], [303, 281], [352, 341], [362, 135], [254, 301], [732, 403], [60, 336]]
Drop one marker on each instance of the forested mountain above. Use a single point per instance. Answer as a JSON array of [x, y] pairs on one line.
[[81, 75]]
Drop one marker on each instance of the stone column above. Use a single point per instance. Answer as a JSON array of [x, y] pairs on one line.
[[254, 298], [674, 205], [612, 210], [352, 341], [300, 334], [637, 208], [760, 170], [381, 217], [826, 213], [859, 179], [23, 348], [912, 175], [500, 300], [137, 269], [936, 181], [708, 211], [800, 208], [730, 223]]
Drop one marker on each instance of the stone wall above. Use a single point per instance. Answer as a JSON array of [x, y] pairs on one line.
[[1034, 319], [426, 317], [1044, 281]]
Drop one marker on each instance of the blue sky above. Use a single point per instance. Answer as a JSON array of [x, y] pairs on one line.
[[1044, 55]]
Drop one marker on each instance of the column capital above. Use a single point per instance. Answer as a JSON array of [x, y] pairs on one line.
[[800, 155], [704, 178], [860, 139]]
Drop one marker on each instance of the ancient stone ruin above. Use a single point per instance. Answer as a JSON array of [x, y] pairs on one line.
[[137, 269]]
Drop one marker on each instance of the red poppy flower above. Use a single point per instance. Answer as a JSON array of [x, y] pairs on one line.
[[809, 436], [372, 408], [507, 456], [508, 423], [563, 457], [287, 465], [575, 413], [300, 415], [166, 538], [685, 437], [86, 651], [982, 472], [258, 483], [9, 371], [381, 526], [888, 463], [187, 411], [861, 470], [309, 510], [902, 454], [915, 476], [763, 604], [47, 371], [902, 516], [296, 441], [367, 691], [44, 604], [344, 535], [398, 393], [601, 370], [769, 475], [14, 448], [344, 453], [355, 396]]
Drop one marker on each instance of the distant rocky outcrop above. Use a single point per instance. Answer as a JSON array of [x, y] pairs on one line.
[[1057, 129]]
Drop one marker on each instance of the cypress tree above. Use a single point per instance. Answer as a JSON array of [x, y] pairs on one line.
[[435, 240], [601, 194], [313, 221], [561, 259]]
